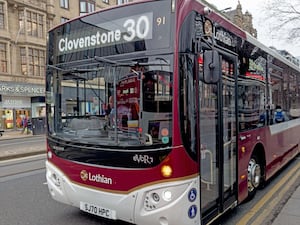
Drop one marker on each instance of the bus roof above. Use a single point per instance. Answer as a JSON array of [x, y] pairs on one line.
[[216, 15], [248, 37]]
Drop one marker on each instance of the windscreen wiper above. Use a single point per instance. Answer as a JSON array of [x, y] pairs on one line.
[[132, 63]]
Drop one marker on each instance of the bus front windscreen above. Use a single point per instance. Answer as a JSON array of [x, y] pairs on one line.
[[120, 104]]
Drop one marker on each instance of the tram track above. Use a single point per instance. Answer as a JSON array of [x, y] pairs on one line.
[[18, 173], [6, 163], [16, 167]]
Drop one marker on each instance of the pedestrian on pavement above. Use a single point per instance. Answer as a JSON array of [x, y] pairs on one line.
[[29, 126], [25, 125]]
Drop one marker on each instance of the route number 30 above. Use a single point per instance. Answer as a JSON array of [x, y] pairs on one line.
[[139, 28]]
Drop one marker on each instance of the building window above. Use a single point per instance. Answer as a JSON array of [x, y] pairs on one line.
[[35, 24], [23, 61], [105, 1], [64, 4], [86, 6], [2, 24], [120, 2], [36, 62], [3, 58], [63, 19], [21, 22]]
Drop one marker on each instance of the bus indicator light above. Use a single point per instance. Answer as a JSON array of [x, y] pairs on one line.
[[243, 149], [166, 171], [49, 155]]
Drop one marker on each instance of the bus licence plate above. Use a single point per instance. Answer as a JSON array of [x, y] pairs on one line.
[[98, 210]]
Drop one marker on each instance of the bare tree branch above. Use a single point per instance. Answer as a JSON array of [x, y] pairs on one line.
[[284, 18]]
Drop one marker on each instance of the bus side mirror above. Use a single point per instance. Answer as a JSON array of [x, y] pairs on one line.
[[211, 66]]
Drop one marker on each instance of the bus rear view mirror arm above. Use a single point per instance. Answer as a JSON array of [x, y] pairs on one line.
[[211, 67]]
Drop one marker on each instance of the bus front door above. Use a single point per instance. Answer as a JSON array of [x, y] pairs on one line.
[[217, 130]]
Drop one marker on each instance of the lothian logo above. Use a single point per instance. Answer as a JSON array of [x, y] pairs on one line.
[[84, 175]]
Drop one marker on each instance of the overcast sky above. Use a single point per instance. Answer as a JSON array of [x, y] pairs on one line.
[[264, 32]]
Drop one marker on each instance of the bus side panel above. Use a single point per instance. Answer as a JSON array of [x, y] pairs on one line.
[[279, 143], [247, 142], [282, 145]]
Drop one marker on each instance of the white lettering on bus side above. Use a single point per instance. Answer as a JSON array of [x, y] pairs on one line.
[[131, 29], [65, 44], [143, 159]]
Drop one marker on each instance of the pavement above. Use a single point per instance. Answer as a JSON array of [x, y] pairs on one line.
[[289, 214], [18, 152]]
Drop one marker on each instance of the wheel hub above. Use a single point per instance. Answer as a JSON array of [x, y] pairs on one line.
[[254, 174]]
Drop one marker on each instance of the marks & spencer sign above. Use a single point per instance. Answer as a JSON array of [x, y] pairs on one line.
[[21, 89]]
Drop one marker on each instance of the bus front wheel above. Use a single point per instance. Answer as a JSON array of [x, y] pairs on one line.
[[254, 176]]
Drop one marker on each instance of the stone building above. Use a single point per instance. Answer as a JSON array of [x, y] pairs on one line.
[[242, 20], [23, 38]]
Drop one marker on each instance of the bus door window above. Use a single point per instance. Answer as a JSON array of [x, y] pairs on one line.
[[208, 126], [229, 127], [218, 134], [188, 103], [208, 122]]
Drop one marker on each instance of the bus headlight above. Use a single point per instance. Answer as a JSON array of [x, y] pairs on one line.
[[167, 195], [54, 178], [160, 197]]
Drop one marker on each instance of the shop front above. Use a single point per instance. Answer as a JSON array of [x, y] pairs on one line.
[[20, 101]]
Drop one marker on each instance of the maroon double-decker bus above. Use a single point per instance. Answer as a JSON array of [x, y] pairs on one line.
[[201, 113]]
